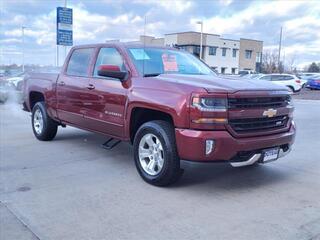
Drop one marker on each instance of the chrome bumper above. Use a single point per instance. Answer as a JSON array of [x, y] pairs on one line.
[[256, 157]]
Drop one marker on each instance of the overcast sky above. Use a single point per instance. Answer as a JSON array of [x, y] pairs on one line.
[[100, 20]]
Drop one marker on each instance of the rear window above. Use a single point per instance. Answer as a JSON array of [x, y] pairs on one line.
[[79, 62]]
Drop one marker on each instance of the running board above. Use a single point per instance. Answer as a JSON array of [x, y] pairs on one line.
[[110, 143]]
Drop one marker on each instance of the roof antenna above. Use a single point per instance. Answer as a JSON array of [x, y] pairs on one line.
[[144, 43]]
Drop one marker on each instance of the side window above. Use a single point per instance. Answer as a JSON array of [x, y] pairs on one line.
[[109, 56], [288, 78], [79, 62], [267, 78], [276, 78]]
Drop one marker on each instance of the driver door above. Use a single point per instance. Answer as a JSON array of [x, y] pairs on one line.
[[105, 106]]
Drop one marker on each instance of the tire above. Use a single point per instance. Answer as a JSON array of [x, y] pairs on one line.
[[158, 174], [44, 128]]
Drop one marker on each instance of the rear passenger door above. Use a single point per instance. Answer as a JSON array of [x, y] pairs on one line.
[[105, 108], [72, 87]]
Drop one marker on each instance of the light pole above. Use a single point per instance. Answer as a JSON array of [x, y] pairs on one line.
[[201, 33], [22, 31], [279, 54], [65, 47]]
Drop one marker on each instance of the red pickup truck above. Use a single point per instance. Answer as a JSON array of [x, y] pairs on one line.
[[167, 103]]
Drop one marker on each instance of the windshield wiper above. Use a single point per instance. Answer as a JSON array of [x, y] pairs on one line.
[[151, 74]]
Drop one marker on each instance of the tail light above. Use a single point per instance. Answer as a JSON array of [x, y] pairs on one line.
[[317, 81], [298, 81]]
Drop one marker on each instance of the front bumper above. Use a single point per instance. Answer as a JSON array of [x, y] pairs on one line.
[[191, 144]]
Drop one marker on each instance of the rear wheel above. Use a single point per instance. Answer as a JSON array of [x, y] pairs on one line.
[[44, 128], [155, 153]]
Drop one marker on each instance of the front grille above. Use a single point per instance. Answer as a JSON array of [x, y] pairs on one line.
[[248, 125], [258, 102]]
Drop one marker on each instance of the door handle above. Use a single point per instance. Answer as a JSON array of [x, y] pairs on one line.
[[61, 83], [90, 86]]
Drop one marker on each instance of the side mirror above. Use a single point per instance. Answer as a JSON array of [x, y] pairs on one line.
[[112, 71]]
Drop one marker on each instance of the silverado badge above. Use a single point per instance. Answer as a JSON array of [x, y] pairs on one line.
[[270, 113]]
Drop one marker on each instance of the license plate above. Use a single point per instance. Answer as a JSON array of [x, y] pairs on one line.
[[270, 154]]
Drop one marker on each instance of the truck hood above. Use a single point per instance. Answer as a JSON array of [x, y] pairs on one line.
[[220, 84]]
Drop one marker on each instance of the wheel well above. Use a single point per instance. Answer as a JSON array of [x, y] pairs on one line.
[[140, 116], [292, 88], [34, 98]]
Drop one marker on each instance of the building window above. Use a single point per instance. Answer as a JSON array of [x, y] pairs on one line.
[[212, 51], [234, 52], [258, 57], [223, 70], [233, 70], [248, 54], [185, 48], [196, 50], [224, 52]]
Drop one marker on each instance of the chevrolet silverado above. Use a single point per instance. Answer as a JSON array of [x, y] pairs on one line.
[[169, 104]]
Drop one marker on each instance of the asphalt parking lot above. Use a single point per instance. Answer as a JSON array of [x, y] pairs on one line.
[[307, 94], [71, 188]]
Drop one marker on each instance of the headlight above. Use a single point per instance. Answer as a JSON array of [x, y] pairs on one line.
[[289, 101], [208, 104]]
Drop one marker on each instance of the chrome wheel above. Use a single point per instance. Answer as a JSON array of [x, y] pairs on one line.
[[151, 154], [38, 121]]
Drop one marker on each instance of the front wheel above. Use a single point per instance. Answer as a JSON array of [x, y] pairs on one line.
[[44, 128], [155, 153]]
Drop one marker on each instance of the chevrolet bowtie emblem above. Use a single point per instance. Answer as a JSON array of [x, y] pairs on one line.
[[270, 113]]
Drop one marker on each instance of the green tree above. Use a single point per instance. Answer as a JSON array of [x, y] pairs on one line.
[[314, 67]]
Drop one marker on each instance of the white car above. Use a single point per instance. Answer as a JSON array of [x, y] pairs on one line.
[[293, 83], [16, 79]]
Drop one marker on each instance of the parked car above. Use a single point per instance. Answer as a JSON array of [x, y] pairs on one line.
[[306, 75], [293, 83], [14, 80], [245, 72], [167, 103], [314, 82], [252, 76], [5, 88]]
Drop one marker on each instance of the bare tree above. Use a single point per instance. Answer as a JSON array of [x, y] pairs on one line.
[[291, 63], [270, 62]]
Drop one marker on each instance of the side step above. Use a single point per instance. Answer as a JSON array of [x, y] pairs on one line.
[[110, 143]]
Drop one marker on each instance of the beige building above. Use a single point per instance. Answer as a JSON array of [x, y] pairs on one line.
[[219, 53], [250, 54], [150, 40], [226, 56]]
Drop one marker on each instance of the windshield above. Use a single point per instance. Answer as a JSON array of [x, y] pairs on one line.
[[155, 61]]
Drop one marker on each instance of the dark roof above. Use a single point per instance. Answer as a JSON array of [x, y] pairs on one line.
[[119, 44]]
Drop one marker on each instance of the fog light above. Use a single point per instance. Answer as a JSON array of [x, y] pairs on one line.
[[210, 144]]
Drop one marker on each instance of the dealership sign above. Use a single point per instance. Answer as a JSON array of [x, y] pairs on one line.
[[64, 26]]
